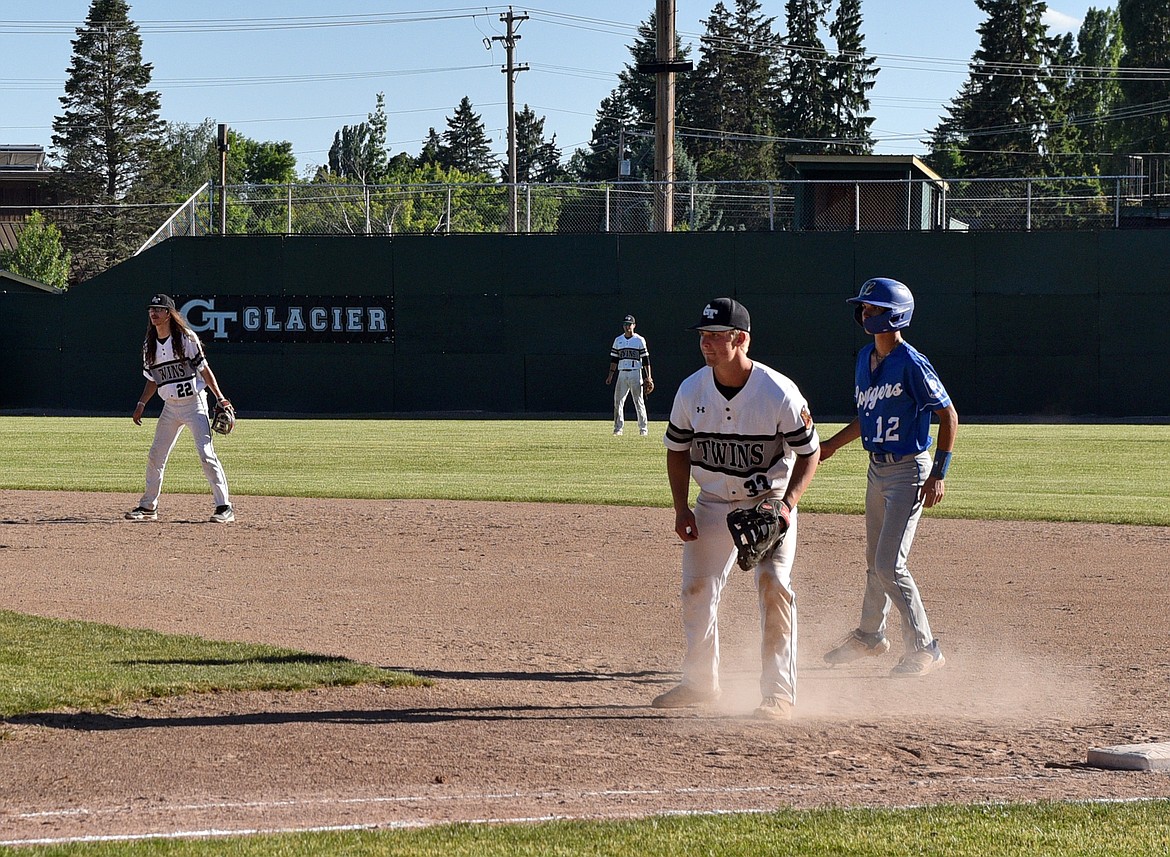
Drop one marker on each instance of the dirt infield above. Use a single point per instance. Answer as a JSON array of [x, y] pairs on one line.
[[547, 629]]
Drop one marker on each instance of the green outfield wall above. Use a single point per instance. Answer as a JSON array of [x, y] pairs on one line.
[[1042, 324]]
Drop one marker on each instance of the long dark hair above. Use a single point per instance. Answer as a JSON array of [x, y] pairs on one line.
[[180, 330]]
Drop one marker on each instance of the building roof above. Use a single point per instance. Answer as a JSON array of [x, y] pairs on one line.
[[865, 162], [22, 157], [10, 282]]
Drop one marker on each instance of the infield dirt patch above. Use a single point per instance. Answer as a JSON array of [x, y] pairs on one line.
[[547, 629]]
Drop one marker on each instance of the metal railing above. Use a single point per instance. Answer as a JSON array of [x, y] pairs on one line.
[[1077, 202]]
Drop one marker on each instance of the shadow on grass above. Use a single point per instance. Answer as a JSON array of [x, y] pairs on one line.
[[98, 722], [302, 659]]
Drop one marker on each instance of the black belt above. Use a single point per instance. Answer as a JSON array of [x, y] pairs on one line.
[[885, 457], [635, 369]]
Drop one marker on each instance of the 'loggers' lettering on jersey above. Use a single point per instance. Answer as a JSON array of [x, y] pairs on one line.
[[869, 398]]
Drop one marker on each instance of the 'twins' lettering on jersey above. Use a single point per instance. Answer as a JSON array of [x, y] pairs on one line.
[[741, 447], [176, 377]]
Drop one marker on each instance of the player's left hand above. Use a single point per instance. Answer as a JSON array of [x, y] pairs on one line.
[[932, 491]]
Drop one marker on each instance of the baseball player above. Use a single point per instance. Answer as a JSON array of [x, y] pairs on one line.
[[629, 362], [896, 390], [744, 433], [175, 367]]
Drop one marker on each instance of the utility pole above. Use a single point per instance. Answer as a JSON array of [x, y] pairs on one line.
[[664, 69], [511, 70], [222, 145]]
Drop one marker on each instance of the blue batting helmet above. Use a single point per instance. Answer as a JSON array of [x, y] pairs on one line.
[[887, 293]]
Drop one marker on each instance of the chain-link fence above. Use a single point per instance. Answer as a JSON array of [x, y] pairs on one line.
[[628, 207]]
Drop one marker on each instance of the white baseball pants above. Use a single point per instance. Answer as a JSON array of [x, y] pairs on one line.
[[192, 413], [706, 565], [628, 383]]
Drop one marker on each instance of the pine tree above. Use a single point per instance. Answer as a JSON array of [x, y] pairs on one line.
[[465, 142], [614, 136], [106, 138], [537, 159], [625, 119], [1145, 28], [432, 145], [733, 95], [805, 115], [1001, 118], [850, 79]]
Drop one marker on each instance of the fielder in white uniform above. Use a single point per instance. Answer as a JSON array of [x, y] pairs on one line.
[[744, 432], [175, 367], [629, 362]]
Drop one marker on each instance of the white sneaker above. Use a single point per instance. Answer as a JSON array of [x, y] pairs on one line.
[[919, 663], [684, 696], [223, 515], [773, 708], [854, 647], [141, 513]]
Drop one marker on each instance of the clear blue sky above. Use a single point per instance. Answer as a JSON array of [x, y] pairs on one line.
[[298, 70]]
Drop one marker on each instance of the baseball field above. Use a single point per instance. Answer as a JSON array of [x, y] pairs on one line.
[[442, 637]]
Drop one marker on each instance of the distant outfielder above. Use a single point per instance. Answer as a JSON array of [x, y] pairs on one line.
[[896, 390], [629, 361], [744, 433], [175, 367]]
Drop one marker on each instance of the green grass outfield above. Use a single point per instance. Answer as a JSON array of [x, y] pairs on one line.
[[1103, 473]]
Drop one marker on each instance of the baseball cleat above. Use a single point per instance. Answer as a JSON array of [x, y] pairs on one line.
[[684, 696], [223, 515], [919, 663], [140, 513], [773, 708], [855, 647], [617, 432]]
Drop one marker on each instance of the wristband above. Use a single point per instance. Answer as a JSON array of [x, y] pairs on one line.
[[942, 461], [142, 404]]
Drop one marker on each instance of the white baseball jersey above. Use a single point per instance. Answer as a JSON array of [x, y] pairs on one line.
[[629, 352], [177, 378], [743, 447]]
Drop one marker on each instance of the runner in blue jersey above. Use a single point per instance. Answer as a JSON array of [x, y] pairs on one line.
[[896, 392]]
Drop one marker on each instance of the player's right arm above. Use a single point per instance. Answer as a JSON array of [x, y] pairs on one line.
[[678, 472], [147, 391], [848, 434]]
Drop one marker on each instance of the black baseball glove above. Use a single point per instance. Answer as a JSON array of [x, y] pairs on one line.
[[759, 531], [223, 417]]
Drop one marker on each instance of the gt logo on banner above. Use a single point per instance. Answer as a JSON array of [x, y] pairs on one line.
[[278, 318]]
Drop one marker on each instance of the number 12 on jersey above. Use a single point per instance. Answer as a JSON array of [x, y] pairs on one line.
[[891, 430]]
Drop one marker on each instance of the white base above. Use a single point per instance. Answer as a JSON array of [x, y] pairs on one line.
[[1132, 757]]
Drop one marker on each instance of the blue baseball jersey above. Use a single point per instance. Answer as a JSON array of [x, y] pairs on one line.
[[895, 401]]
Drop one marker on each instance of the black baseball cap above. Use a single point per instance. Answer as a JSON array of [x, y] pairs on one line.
[[724, 314], [163, 301], [629, 319]]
